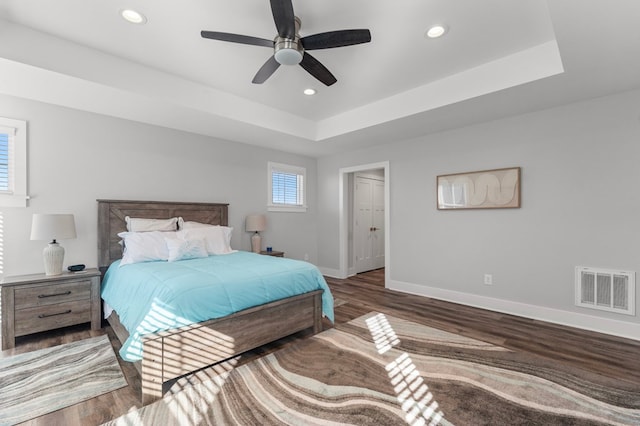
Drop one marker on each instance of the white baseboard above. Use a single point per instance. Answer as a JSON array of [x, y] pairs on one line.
[[572, 319], [333, 273]]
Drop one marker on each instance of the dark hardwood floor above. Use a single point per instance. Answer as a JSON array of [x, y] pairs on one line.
[[611, 356]]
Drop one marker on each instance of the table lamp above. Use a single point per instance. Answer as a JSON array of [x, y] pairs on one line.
[[256, 223], [53, 227]]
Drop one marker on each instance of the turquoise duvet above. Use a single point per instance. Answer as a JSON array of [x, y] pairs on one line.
[[155, 296]]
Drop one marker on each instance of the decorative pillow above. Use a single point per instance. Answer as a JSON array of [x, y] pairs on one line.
[[144, 246], [136, 224], [182, 249], [217, 238]]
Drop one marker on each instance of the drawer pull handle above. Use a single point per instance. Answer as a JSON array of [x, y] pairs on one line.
[[68, 311], [42, 296]]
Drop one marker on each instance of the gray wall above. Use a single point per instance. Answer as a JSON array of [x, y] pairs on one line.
[[77, 157], [580, 207], [579, 203]]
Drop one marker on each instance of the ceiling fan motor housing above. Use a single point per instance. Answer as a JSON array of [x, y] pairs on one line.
[[288, 52]]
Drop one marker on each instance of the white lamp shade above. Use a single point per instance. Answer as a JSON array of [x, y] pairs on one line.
[[53, 227], [256, 223]]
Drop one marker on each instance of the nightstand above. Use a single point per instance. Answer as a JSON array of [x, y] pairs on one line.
[[273, 253], [37, 302]]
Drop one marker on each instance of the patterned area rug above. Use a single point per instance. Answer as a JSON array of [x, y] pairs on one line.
[[39, 382], [380, 370]]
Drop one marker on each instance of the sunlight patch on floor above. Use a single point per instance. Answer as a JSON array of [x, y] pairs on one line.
[[412, 392]]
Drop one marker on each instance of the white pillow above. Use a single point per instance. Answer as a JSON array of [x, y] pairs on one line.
[[144, 246], [182, 224], [136, 224], [182, 249], [217, 238]]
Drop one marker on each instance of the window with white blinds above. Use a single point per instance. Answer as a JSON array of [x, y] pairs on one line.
[[287, 188], [5, 135], [13, 162]]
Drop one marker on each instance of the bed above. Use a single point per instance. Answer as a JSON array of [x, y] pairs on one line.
[[172, 353]]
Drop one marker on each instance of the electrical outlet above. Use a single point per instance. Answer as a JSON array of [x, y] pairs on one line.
[[488, 279], [306, 257]]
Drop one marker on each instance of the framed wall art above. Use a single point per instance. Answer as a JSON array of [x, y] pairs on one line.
[[486, 189]]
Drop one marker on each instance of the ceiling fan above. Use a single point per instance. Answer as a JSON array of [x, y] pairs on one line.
[[291, 49]]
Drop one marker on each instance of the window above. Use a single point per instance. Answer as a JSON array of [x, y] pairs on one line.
[[4, 159], [287, 188], [13, 163]]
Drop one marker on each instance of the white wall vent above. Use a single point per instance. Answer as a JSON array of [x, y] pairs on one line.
[[606, 289]]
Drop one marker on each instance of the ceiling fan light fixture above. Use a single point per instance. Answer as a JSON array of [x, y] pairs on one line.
[[309, 92], [133, 16], [436, 31], [288, 57]]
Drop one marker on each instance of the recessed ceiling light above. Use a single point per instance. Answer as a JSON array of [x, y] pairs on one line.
[[309, 92], [132, 16], [436, 31]]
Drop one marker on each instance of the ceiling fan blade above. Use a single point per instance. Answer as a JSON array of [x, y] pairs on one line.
[[237, 38], [316, 69], [335, 39], [266, 70], [284, 18]]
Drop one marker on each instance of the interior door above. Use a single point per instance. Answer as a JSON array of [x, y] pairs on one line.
[[377, 235], [369, 224]]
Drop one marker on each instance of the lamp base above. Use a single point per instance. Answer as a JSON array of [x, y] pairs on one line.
[[256, 242], [53, 256]]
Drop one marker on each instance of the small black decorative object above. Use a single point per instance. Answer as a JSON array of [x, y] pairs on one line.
[[76, 268]]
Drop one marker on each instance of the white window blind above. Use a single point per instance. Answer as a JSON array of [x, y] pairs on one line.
[[13, 163], [286, 188], [4, 160]]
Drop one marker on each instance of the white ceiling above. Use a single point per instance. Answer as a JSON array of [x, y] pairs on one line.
[[499, 57]]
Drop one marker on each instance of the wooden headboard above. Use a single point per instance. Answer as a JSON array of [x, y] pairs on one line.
[[111, 214]]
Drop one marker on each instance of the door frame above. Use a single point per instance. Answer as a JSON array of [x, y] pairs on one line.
[[343, 234]]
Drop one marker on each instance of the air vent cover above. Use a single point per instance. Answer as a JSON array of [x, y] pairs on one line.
[[605, 289]]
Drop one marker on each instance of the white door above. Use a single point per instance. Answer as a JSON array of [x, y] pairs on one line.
[[368, 235], [378, 225]]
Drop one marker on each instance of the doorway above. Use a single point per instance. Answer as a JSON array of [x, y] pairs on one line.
[[367, 226], [379, 220]]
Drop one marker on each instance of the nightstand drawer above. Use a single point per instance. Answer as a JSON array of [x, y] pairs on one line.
[[49, 295], [41, 318]]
